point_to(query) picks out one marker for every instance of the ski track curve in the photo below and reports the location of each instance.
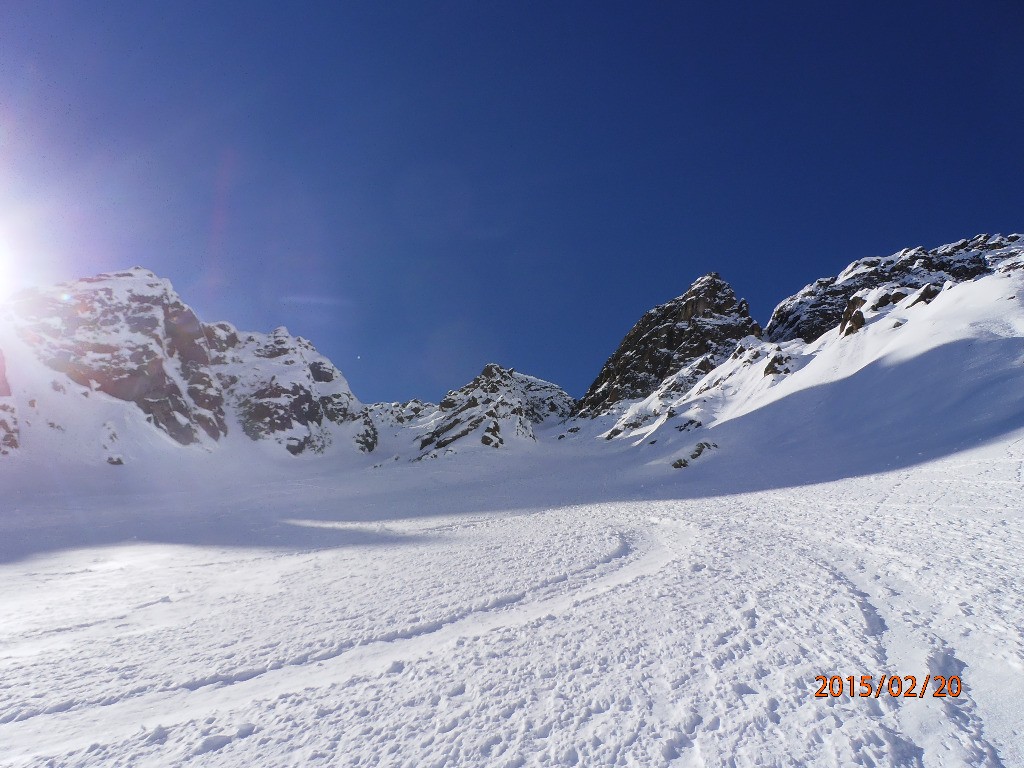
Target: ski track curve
(69, 726)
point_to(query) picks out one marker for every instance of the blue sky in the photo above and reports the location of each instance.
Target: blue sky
(422, 188)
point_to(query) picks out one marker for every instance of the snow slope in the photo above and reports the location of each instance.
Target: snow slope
(485, 619)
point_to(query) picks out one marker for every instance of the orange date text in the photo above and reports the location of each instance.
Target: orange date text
(895, 686)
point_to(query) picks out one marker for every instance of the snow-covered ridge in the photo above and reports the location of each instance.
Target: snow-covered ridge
(127, 342)
(820, 306)
(498, 407)
(884, 303)
(115, 366)
(129, 336)
(281, 387)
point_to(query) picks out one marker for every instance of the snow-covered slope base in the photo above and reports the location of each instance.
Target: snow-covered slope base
(484, 620)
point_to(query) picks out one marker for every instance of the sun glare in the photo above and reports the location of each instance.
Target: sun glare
(5, 283)
(13, 276)
(6, 268)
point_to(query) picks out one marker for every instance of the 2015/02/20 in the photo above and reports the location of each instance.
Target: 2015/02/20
(836, 686)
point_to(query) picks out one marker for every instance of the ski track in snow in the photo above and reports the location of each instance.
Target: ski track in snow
(648, 633)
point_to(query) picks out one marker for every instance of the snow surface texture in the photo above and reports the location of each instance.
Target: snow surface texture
(477, 617)
(666, 597)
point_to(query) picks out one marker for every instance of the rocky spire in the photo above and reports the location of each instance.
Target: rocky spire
(702, 326)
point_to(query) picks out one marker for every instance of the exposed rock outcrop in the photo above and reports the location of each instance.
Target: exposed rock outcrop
(281, 387)
(129, 335)
(821, 306)
(682, 339)
(498, 406)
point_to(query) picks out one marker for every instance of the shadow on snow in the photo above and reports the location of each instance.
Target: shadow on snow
(887, 416)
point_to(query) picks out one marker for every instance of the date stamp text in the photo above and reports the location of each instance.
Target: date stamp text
(895, 686)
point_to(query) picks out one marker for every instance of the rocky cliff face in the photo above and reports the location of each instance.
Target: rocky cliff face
(682, 339)
(829, 301)
(280, 386)
(498, 406)
(129, 335)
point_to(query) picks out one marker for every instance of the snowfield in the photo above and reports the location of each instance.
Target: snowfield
(328, 621)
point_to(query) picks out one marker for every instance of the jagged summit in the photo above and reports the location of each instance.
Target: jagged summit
(498, 406)
(128, 334)
(698, 329)
(820, 306)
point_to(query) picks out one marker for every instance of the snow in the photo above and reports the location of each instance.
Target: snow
(490, 620)
(575, 601)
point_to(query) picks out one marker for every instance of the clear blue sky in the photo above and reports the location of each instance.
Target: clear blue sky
(421, 188)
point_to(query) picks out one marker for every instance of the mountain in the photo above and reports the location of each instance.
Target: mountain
(281, 388)
(129, 336)
(682, 339)
(116, 367)
(497, 407)
(885, 303)
(127, 340)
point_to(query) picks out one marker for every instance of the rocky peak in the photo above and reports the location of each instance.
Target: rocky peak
(129, 335)
(281, 387)
(497, 406)
(695, 331)
(499, 403)
(821, 306)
